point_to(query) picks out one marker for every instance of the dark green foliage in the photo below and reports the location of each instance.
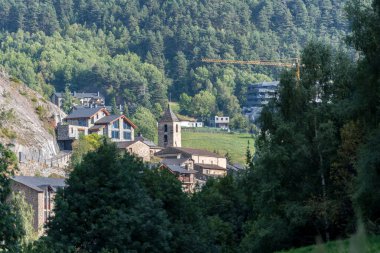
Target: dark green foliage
(146, 122)
(296, 196)
(105, 207)
(67, 100)
(11, 229)
(87, 41)
(365, 20)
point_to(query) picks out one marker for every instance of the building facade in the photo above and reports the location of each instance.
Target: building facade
(81, 98)
(206, 163)
(220, 122)
(39, 192)
(169, 130)
(189, 124)
(258, 95)
(96, 120)
(137, 148)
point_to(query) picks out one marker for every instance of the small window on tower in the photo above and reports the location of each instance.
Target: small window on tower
(176, 128)
(165, 138)
(165, 128)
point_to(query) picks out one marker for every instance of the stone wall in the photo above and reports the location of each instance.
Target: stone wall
(140, 149)
(173, 133)
(35, 199)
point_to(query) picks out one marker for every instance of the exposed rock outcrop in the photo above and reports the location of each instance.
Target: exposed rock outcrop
(27, 122)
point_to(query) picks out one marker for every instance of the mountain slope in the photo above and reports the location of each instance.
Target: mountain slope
(27, 125)
(80, 43)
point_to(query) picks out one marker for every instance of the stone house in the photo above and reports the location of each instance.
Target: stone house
(96, 120)
(208, 164)
(137, 148)
(153, 147)
(183, 169)
(83, 98)
(39, 193)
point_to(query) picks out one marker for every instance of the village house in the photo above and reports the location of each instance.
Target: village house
(152, 146)
(183, 169)
(96, 120)
(206, 163)
(39, 192)
(83, 99)
(137, 148)
(189, 123)
(220, 122)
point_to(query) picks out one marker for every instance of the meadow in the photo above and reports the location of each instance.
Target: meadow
(220, 142)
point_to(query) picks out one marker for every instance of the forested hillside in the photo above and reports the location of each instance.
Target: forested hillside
(108, 45)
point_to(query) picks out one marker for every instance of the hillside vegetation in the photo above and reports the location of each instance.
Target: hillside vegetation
(234, 144)
(139, 51)
(356, 244)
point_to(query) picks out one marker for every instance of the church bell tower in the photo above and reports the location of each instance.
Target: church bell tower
(169, 130)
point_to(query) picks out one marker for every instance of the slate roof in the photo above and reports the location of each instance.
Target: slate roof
(210, 166)
(38, 183)
(146, 141)
(174, 161)
(96, 128)
(83, 112)
(188, 151)
(107, 119)
(110, 118)
(126, 144)
(169, 116)
(179, 169)
(81, 94)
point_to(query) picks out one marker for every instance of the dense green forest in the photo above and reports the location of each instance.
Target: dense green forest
(315, 172)
(143, 52)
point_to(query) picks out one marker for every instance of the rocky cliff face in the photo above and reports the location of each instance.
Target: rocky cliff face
(27, 122)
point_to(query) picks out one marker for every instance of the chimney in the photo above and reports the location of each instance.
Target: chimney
(75, 93)
(98, 94)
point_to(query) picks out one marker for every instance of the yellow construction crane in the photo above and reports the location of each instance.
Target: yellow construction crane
(288, 63)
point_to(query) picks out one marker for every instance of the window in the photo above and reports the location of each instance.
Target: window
(176, 128)
(115, 124)
(115, 135)
(92, 120)
(165, 138)
(82, 122)
(47, 206)
(127, 135)
(126, 125)
(165, 128)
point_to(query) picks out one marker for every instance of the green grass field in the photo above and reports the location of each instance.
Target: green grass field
(233, 143)
(356, 244)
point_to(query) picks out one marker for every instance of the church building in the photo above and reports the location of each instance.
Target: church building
(206, 164)
(169, 130)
